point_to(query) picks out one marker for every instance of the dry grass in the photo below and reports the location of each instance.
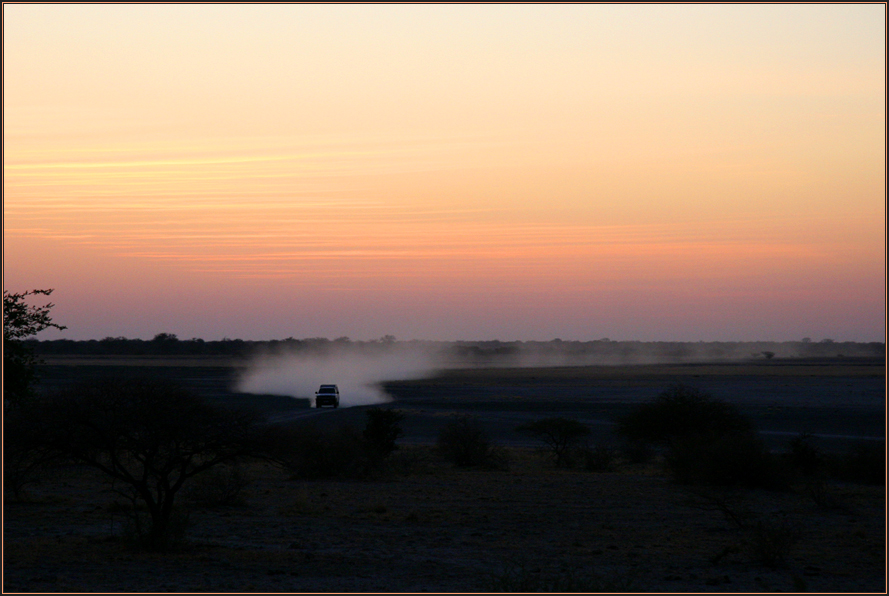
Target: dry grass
(429, 526)
(432, 527)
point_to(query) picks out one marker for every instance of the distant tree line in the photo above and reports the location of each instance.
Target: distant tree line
(168, 344)
(556, 351)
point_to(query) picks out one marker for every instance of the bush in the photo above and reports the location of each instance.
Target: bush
(140, 533)
(465, 443)
(807, 465)
(638, 452)
(219, 487)
(681, 411)
(768, 538)
(382, 430)
(805, 457)
(28, 458)
(735, 459)
(522, 576)
(310, 453)
(865, 463)
(708, 441)
(771, 542)
(599, 458)
(561, 435)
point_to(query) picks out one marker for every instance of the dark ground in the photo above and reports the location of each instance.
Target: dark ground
(837, 401)
(433, 527)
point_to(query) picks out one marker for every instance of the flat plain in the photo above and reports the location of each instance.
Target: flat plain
(524, 526)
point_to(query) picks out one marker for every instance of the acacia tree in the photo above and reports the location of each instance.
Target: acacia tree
(149, 437)
(20, 321)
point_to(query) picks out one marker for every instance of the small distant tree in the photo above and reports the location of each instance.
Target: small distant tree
(149, 437)
(20, 321)
(561, 435)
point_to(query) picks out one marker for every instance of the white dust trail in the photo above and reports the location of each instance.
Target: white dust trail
(357, 373)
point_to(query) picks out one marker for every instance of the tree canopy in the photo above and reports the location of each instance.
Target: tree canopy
(149, 437)
(20, 321)
(682, 411)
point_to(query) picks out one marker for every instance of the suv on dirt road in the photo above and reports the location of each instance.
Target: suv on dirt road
(328, 395)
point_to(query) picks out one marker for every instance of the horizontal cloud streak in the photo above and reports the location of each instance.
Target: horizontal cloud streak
(511, 170)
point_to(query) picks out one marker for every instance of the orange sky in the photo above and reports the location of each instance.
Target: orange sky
(653, 172)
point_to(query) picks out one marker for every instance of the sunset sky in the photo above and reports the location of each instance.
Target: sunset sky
(670, 172)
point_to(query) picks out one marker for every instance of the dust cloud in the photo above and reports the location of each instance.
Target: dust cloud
(359, 368)
(358, 373)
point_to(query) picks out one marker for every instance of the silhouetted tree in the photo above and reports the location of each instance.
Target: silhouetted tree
(150, 437)
(20, 321)
(561, 435)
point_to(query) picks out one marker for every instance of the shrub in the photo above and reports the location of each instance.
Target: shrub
(771, 542)
(638, 452)
(382, 430)
(681, 411)
(767, 538)
(28, 458)
(708, 441)
(734, 459)
(561, 436)
(805, 457)
(522, 576)
(864, 463)
(139, 530)
(415, 459)
(808, 465)
(219, 487)
(465, 443)
(311, 453)
(599, 458)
